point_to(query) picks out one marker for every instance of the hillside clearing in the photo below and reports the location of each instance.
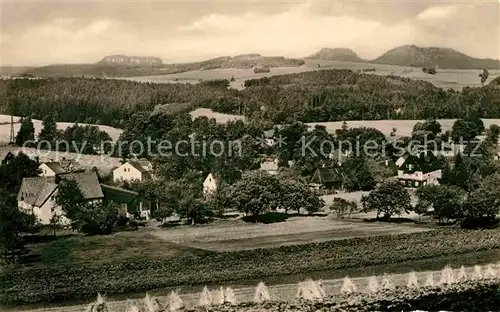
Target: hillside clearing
(114, 133)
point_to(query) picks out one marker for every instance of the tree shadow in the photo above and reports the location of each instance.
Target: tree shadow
(39, 238)
(390, 220)
(270, 217)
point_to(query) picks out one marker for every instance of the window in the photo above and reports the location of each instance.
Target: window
(410, 167)
(416, 183)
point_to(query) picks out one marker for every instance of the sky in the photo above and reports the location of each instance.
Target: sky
(41, 32)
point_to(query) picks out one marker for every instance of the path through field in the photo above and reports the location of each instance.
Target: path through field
(277, 292)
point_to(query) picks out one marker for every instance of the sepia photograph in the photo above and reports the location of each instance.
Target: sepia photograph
(249, 155)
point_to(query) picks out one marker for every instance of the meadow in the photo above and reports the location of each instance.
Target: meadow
(235, 235)
(445, 78)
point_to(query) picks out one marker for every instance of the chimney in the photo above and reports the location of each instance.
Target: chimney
(387, 163)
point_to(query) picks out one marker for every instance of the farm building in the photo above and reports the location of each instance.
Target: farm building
(130, 202)
(332, 178)
(37, 195)
(133, 170)
(422, 168)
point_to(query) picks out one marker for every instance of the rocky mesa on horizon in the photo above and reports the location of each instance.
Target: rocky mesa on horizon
(412, 55)
(336, 54)
(121, 59)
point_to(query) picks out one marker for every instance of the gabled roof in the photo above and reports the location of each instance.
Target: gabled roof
(424, 161)
(36, 191)
(140, 165)
(213, 176)
(87, 182)
(118, 194)
(67, 164)
(327, 175)
(55, 167)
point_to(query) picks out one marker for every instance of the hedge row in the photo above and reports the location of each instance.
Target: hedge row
(68, 282)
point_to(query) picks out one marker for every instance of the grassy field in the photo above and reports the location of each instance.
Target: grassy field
(233, 235)
(114, 133)
(445, 78)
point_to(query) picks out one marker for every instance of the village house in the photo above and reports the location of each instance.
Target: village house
(133, 170)
(210, 185)
(37, 195)
(330, 178)
(418, 169)
(131, 204)
(270, 166)
(50, 169)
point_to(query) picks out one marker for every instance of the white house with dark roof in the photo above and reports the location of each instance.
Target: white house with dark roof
(37, 195)
(50, 169)
(138, 170)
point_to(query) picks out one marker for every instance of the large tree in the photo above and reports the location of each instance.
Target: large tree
(484, 201)
(91, 217)
(388, 199)
(13, 223)
(26, 134)
(442, 201)
(256, 193)
(49, 132)
(14, 170)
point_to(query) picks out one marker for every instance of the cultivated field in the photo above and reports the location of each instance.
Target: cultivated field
(445, 78)
(236, 235)
(114, 133)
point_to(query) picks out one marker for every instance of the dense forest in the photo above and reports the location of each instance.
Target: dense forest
(325, 95)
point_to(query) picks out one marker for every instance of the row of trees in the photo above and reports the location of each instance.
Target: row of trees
(444, 202)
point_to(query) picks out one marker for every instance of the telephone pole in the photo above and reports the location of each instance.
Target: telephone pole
(12, 138)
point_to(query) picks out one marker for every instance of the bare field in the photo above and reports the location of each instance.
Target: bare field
(239, 235)
(114, 133)
(445, 78)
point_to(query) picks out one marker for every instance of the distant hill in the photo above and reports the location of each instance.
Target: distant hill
(13, 70)
(337, 54)
(121, 59)
(412, 55)
(124, 66)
